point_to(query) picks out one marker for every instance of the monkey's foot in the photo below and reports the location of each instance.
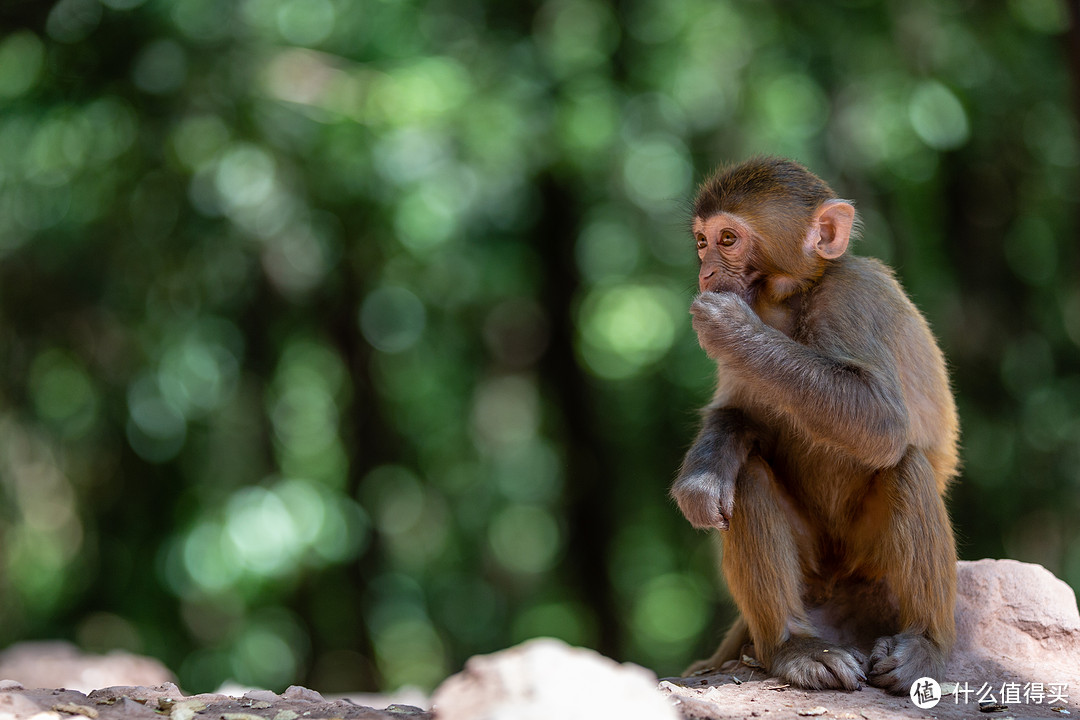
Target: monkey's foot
(898, 661)
(818, 665)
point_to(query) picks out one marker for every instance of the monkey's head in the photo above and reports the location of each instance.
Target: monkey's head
(767, 225)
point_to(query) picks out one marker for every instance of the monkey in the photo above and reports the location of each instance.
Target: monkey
(826, 451)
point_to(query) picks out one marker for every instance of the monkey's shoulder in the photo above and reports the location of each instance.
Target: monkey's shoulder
(855, 284)
(857, 275)
(861, 297)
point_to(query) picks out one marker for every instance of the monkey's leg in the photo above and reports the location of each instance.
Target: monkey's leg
(765, 576)
(913, 549)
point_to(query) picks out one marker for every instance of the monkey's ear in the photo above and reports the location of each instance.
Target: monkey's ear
(830, 230)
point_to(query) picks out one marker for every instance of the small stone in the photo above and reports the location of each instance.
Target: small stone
(75, 709)
(182, 709)
(298, 692)
(991, 707)
(286, 715)
(812, 712)
(264, 695)
(182, 713)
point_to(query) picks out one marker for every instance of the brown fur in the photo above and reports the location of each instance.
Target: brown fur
(829, 444)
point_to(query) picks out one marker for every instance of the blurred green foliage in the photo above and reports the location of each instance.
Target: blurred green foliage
(343, 339)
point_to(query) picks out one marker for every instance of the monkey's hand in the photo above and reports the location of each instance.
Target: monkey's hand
(722, 320)
(705, 498)
(705, 486)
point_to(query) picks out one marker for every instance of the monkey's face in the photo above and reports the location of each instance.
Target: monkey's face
(725, 250)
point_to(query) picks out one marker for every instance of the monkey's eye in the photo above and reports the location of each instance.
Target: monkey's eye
(728, 238)
(701, 242)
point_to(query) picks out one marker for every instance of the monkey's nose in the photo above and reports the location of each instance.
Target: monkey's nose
(703, 280)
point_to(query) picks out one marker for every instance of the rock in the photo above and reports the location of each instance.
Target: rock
(1015, 621)
(1017, 629)
(543, 679)
(61, 664)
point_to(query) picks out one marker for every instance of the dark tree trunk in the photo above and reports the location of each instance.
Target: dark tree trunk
(588, 483)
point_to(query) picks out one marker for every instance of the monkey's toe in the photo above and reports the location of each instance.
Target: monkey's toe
(898, 661)
(815, 664)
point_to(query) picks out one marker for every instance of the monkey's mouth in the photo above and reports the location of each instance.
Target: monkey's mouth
(747, 287)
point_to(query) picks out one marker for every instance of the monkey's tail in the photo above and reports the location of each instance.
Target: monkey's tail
(732, 644)
(730, 649)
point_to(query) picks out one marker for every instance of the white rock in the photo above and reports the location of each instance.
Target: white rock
(544, 679)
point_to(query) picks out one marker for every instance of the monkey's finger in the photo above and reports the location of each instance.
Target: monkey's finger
(882, 659)
(845, 669)
(723, 507)
(727, 505)
(705, 305)
(858, 668)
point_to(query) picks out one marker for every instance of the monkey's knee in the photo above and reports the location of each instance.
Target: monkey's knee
(762, 508)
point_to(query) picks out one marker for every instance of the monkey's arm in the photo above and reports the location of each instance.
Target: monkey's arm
(705, 486)
(851, 401)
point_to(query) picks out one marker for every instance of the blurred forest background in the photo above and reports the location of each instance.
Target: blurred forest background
(343, 339)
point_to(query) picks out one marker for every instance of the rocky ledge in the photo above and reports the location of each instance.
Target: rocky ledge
(1017, 656)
